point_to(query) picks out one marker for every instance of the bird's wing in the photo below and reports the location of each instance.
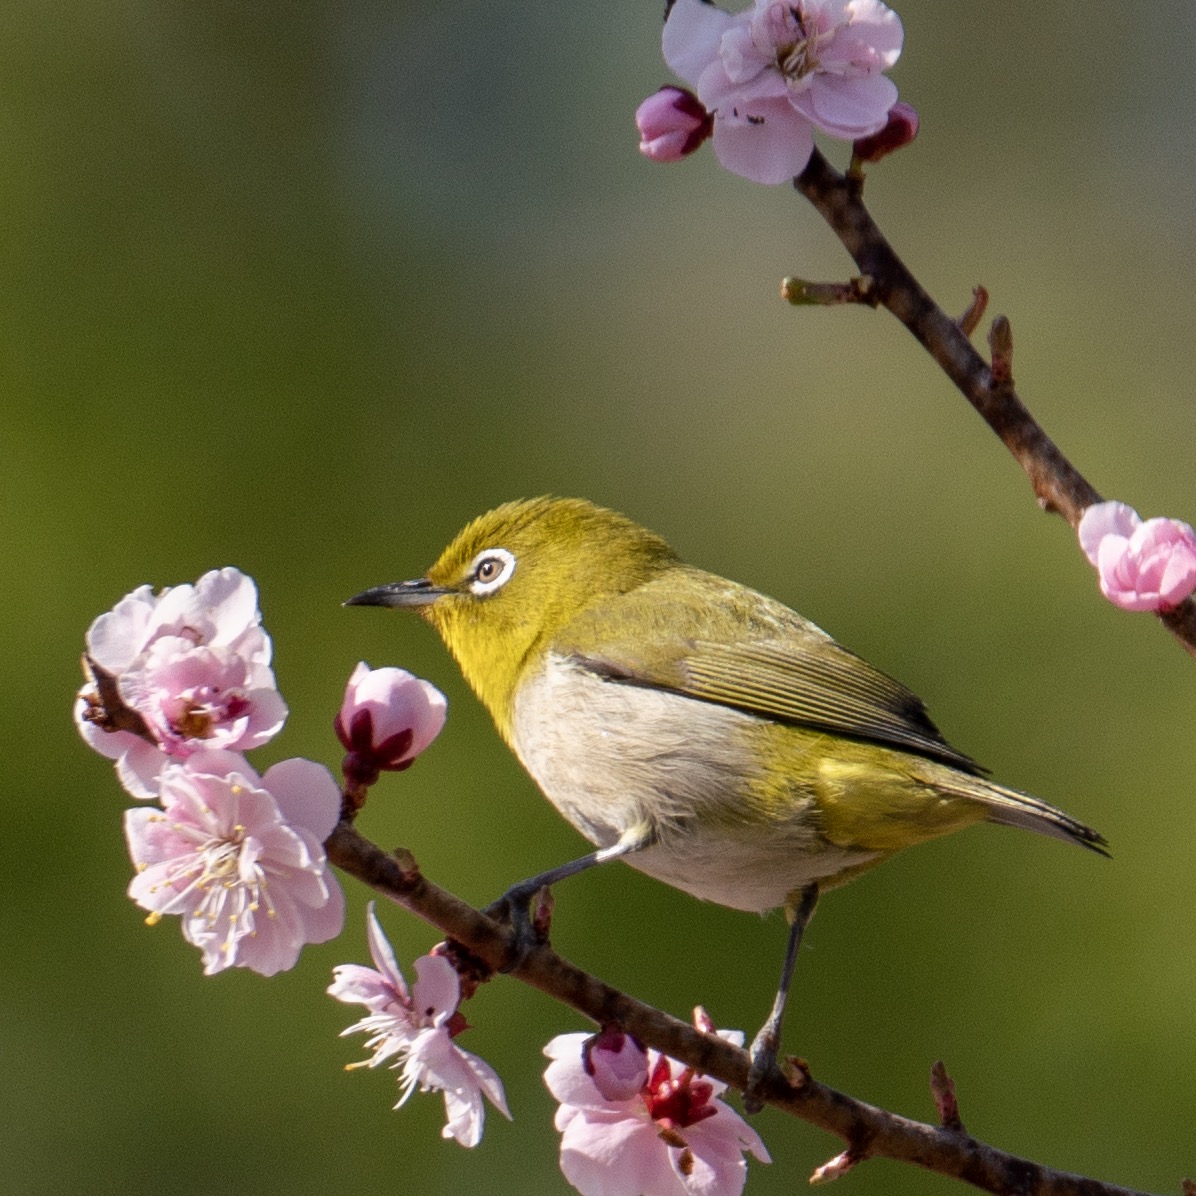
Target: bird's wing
(785, 669)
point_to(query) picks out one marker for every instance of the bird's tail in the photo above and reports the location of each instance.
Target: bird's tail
(1011, 807)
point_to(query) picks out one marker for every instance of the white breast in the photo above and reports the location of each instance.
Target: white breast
(611, 756)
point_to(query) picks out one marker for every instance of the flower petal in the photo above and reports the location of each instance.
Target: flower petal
(872, 39)
(115, 638)
(383, 955)
(691, 37)
(1179, 577)
(1105, 519)
(610, 1156)
(437, 988)
(773, 151)
(306, 794)
(140, 768)
(357, 985)
(848, 108)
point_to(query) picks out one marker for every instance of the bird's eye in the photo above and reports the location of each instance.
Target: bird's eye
(491, 569)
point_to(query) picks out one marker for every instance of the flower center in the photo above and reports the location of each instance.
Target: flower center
(198, 713)
(220, 860)
(795, 39)
(676, 1103)
(193, 721)
(214, 883)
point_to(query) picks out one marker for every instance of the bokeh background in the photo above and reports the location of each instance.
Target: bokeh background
(302, 287)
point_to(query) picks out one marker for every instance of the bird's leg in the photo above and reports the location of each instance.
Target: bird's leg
(514, 905)
(768, 1041)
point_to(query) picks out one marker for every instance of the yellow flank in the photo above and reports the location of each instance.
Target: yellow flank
(866, 797)
(865, 805)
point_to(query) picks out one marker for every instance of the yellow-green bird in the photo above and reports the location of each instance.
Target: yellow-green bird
(704, 732)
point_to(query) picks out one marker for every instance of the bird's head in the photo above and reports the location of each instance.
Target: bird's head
(514, 577)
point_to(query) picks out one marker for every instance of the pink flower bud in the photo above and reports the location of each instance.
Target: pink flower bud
(672, 124)
(616, 1062)
(387, 718)
(901, 129)
(1142, 566)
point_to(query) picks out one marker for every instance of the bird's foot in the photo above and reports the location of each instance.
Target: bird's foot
(799, 909)
(764, 1061)
(527, 909)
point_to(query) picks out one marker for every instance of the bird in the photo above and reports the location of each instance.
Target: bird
(704, 733)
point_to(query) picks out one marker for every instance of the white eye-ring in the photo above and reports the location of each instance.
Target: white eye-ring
(491, 570)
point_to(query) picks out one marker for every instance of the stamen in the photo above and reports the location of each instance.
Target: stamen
(797, 57)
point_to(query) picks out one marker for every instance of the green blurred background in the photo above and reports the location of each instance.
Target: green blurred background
(303, 287)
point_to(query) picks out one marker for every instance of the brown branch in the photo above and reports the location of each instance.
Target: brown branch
(106, 708)
(868, 1132)
(1058, 485)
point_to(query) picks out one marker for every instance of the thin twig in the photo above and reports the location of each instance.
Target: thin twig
(1058, 485)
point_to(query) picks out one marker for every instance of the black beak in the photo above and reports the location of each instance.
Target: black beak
(420, 592)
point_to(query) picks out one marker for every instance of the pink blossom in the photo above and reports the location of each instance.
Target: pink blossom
(1147, 565)
(240, 858)
(194, 663)
(415, 1027)
(782, 68)
(672, 1137)
(672, 124)
(387, 718)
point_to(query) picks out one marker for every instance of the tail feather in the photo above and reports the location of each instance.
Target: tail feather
(1010, 807)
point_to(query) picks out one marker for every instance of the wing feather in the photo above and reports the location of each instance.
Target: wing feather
(786, 669)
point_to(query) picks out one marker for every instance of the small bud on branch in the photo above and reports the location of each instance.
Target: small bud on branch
(838, 1167)
(942, 1088)
(974, 313)
(802, 293)
(899, 131)
(1000, 343)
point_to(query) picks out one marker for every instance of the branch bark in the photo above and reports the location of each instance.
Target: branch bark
(1057, 484)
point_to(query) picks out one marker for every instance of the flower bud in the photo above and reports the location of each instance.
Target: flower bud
(1147, 565)
(616, 1063)
(387, 718)
(672, 124)
(901, 129)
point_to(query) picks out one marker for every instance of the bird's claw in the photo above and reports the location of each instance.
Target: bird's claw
(764, 1061)
(527, 931)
